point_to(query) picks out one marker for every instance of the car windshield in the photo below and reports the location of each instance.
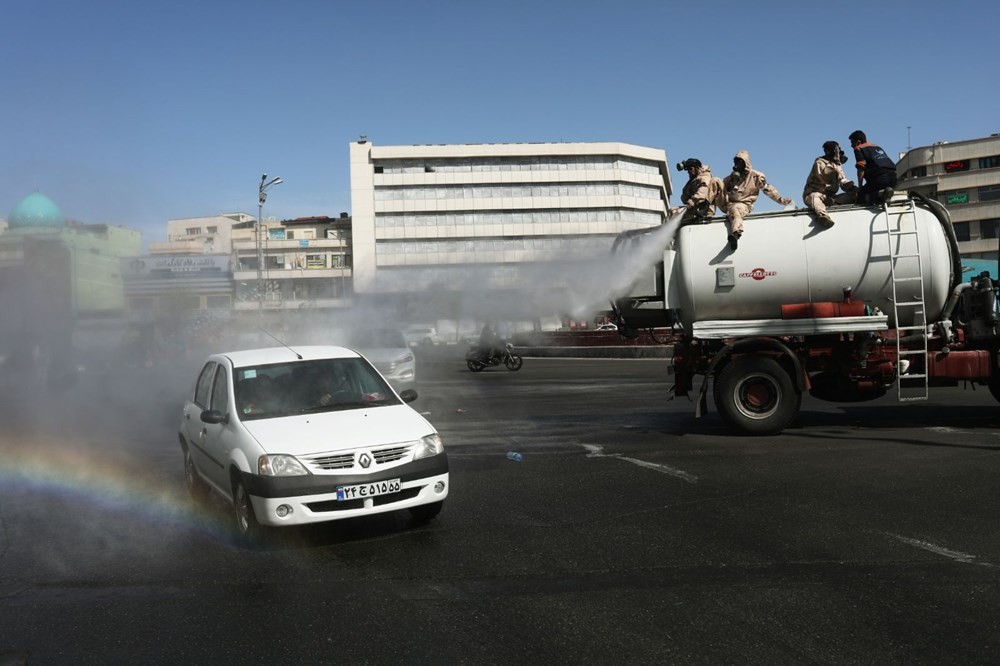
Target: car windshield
(299, 387)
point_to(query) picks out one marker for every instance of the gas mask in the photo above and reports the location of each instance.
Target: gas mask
(739, 168)
(832, 152)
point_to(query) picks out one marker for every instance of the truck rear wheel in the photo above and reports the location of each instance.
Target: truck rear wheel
(756, 395)
(995, 388)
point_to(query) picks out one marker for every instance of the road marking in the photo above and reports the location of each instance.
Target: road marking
(595, 451)
(965, 558)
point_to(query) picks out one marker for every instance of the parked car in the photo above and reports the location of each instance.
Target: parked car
(306, 435)
(607, 327)
(421, 335)
(388, 351)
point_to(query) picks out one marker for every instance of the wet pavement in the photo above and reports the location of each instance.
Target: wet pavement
(630, 532)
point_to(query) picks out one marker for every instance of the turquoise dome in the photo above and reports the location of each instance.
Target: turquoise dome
(36, 210)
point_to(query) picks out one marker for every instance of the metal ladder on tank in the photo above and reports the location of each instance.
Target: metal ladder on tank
(914, 390)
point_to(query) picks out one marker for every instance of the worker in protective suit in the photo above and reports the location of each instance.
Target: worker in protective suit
(740, 190)
(699, 193)
(825, 179)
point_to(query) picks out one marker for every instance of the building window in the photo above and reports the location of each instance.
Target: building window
(309, 234)
(917, 172)
(378, 169)
(217, 301)
(989, 162)
(192, 231)
(213, 230)
(315, 261)
(955, 166)
(962, 231)
(951, 197)
(989, 193)
(988, 228)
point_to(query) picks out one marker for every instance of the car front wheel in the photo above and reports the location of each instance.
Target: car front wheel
(247, 527)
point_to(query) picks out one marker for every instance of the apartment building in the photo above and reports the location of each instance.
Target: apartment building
(424, 215)
(293, 264)
(965, 177)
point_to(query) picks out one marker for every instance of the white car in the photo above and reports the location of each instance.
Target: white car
(388, 351)
(607, 327)
(306, 435)
(421, 335)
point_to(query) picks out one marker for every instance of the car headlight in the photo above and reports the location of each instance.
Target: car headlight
(431, 445)
(280, 465)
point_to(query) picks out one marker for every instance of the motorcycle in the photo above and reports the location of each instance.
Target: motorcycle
(477, 360)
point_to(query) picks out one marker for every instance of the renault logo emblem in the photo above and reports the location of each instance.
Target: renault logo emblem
(364, 460)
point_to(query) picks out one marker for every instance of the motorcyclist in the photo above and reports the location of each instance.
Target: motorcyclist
(489, 341)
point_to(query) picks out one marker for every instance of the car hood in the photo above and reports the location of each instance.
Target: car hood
(384, 354)
(335, 431)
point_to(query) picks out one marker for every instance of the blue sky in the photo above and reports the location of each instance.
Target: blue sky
(134, 113)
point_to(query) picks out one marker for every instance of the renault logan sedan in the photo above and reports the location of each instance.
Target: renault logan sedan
(313, 434)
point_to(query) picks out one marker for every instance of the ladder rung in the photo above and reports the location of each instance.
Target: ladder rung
(910, 352)
(917, 397)
(908, 304)
(908, 279)
(902, 233)
(913, 376)
(909, 328)
(904, 256)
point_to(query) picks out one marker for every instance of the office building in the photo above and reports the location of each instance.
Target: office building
(429, 217)
(965, 177)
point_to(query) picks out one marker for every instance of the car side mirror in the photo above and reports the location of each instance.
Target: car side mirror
(214, 416)
(409, 395)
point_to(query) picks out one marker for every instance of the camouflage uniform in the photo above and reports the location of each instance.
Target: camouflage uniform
(740, 193)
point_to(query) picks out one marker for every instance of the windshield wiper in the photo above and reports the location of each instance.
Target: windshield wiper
(334, 406)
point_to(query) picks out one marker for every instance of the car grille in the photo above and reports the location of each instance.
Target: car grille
(383, 456)
(347, 460)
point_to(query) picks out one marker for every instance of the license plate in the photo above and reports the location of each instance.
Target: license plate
(363, 490)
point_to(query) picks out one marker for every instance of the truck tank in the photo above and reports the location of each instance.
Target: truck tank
(789, 257)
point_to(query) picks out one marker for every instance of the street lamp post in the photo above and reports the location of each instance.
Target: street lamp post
(261, 198)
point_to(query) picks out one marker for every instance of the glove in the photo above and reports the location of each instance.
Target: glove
(784, 201)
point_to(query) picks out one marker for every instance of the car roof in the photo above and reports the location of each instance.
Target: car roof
(268, 355)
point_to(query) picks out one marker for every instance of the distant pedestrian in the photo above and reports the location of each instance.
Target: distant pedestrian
(876, 170)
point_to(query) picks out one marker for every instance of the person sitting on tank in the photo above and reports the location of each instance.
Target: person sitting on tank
(699, 193)
(825, 180)
(739, 192)
(876, 170)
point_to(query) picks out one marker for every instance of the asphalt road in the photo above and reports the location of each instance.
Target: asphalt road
(630, 533)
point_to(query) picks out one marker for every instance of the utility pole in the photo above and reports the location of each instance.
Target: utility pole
(261, 230)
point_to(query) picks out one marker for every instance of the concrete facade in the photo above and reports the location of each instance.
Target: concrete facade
(965, 177)
(422, 213)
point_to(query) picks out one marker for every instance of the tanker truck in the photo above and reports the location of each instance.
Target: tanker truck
(843, 312)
